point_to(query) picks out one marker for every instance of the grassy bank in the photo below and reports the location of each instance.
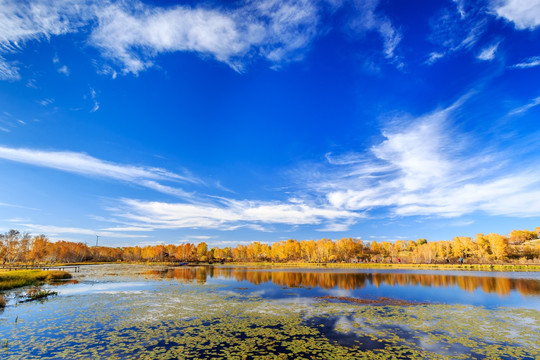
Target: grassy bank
(477, 267)
(19, 278)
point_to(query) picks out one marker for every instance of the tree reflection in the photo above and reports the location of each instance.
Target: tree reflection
(351, 281)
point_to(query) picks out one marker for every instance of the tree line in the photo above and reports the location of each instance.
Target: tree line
(17, 247)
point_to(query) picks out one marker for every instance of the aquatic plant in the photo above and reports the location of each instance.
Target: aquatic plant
(37, 293)
(207, 321)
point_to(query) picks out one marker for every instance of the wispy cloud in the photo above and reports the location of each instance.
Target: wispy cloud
(455, 29)
(228, 214)
(55, 231)
(45, 102)
(23, 21)
(132, 34)
(93, 95)
(275, 30)
(8, 71)
(368, 19)
(488, 53)
(522, 109)
(528, 63)
(420, 169)
(83, 164)
(523, 14)
(64, 70)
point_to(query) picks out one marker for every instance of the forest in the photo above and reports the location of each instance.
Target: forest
(520, 246)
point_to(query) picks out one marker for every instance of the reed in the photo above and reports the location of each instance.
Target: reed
(19, 278)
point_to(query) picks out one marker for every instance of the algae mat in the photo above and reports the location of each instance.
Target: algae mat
(171, 321)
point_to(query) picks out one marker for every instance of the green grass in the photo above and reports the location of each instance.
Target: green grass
(19, 278)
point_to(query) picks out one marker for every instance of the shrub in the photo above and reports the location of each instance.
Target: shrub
(58, 275)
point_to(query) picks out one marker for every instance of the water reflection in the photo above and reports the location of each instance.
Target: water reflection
(351, 281)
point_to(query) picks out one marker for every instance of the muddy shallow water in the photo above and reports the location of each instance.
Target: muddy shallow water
(135, 311)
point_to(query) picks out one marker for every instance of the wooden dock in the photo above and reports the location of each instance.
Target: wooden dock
(73, 268)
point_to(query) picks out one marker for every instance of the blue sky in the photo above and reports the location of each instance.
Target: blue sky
(229, 122)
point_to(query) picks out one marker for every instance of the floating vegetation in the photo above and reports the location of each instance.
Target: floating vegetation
(380, 301)
(3, 301)
(37, 294)
(183, 321)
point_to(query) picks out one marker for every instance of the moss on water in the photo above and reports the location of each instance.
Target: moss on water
(193, 321)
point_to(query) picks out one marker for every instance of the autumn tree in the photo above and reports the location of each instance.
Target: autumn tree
(202, 249)
(520, 236)
(38, 250)
(498, 245)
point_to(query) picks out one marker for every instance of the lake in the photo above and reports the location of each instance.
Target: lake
(227, 312)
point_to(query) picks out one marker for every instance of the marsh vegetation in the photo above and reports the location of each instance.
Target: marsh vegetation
(133, 311)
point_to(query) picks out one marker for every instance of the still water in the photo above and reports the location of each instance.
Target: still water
(134, 311)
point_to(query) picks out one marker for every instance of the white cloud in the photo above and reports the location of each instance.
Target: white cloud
(8, 71)
(488, 53)
(455, 30)
(524, 14)
(82, 164)
(45, 102)
(520, 110)
(433, 57)
(96, 104)
(227, 215)
(54, 231)
(424, 167)
(64, 70)
(21, 21)
(528, 63)
(345, 159)
(275, 30)
(224, 214)
(367, 19)
(132, 34)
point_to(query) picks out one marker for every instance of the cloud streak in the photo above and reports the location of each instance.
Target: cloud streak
(367, 19)
(522, 109)
(231, 214)
(453, 31)
(83, 164)
(55, 231)
(488, 53)
(529, 63)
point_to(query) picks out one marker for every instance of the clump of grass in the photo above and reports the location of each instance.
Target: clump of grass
(37, 293)
(58, 275)
(3, 301)
(19, 278)
(14, 279)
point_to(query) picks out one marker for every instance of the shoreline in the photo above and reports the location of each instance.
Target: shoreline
(300, 265)
(464, 267)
